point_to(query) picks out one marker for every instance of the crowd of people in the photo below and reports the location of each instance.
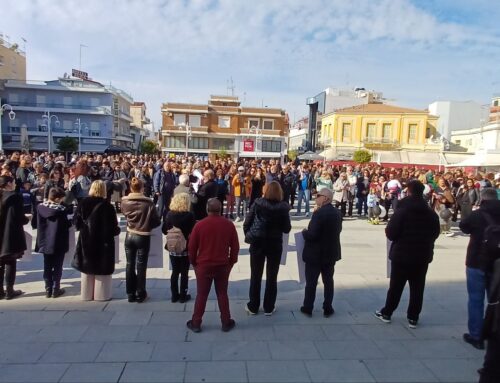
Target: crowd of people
(194, 202)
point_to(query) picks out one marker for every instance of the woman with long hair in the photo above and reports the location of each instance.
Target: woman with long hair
(142, 218)
(12, 238)
(95, 219)
(180, 217)
(264, 227)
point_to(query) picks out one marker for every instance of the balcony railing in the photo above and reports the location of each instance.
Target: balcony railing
(180, 129)
(51, 105)
(265, 132)
(380, 143)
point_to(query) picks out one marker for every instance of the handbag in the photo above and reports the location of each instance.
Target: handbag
(257, 230)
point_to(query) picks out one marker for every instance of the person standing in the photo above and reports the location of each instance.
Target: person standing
(180, 217)
(411, 252)
(305, 182)
(206, 191)
(52, 240)
(475, 225)
(467, 198)
(12, 238)
(213, 251)
(341, 194)
(164, 183)
(266, 223)
(142, 218)
(95, 219)
(287, 182)
(321, 251)
(352, 178)
(242, 186)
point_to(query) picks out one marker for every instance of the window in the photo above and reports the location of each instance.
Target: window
(95, 134)
(13, 98)
(412, 134)
(253, 122)
(224, 122)
(41, 99)
(179, 119)
(271, 146)
(94, 126)
(371, 131)
(194, 120)
(458, 142)
(386, 132)
(175, 142)
(222, 143)
(198, 143)
(495, 103)
(94, 101)
(67, 100)
(68, 126)
(269, 124)
(346, 131)
(428, 133)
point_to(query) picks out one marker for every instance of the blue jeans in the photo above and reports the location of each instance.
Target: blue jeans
(476, 289)
(306, 196)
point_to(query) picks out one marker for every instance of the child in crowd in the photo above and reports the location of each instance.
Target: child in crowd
(373, 208)
(53, 240)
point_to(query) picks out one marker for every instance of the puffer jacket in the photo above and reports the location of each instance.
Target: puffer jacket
(142, 216)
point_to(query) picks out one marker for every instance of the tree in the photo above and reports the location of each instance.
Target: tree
(149, 147)
(67, 144)
(362, 156)
(292, 154)
(222, 153)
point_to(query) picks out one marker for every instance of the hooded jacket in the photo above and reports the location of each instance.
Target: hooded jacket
(53, 228)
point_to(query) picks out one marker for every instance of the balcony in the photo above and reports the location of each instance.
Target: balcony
(264, 132)
(380, 143)
(169, 129)
(61, 108)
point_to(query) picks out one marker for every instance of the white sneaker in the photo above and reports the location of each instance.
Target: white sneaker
(249, 312)
(450, 234)
(238, 219)
(270, 313)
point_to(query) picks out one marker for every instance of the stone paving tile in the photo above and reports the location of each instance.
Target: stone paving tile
(152, 372)
(293, 350)
(339, 332)
(169, 318)
(442, 348)
(240, 350)
(182, 351)
(31, 318)
(277, 371)
(162, 333)
(216, 372)
(21, 352)
(60, 333)
(18, 334)
(40, 373)
(400, 371)
(388, 332)
(348, 349)
(131, 318)
(297, 332)
(71, 352)
(102, 333)
(126, 352)
(343, 371)
(86, 318)
(454, 370)
(93, 373)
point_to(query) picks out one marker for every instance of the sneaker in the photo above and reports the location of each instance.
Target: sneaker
(238, 219)
(476, 343)
(377, 221)
(184, 299)
(328, 312)
(132, 298)
(48, 293)
(269, 313)
(58, 292)
(412, 323)
(249, 312)
(142, 298)
(228, 326)
(193, 328)
(306, 312)
(382, 317)
(449, 234)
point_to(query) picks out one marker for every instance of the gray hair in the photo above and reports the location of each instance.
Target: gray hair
(184, 179)
(489, 194)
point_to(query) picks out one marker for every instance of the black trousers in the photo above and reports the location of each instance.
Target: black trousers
(137, 252)
(490, 373)
(292, 197)
(52, 270)
(313, 272)
(180, 266)
(163, 204)
(342, 205)
(258, 256)
(387, 204)
(8, 269)
(350, 204)
(415, 276)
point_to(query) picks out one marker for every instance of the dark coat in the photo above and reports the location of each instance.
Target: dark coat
(205, 192)
(322, 236)
(12, 220)
(413, 229)
(475, 224)
(276, 218)
(491, 327)
(95, 249)
(53, 229)
(183, 220)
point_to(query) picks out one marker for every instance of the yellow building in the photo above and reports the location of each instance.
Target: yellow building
(12, 61)
(379, 127)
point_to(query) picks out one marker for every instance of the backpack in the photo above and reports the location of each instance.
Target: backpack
(490, 247)
(175, 241)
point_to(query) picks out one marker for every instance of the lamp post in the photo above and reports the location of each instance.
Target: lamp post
(78, 123)
(12, 115)
(258, 135)
(48, 117)
(189, 133)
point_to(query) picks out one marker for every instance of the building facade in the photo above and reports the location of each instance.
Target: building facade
(378, 127)
(97, 116)
(12, 61)
(224, 127)
(141, 127)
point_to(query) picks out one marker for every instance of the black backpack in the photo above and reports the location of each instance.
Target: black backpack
(490, 247)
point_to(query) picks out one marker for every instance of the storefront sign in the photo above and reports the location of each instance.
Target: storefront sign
(248, 145)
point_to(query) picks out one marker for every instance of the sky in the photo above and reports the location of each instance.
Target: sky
(276, 52)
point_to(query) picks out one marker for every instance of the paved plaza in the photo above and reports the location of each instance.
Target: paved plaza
(67, 340)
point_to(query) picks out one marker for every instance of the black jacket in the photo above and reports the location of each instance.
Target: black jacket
(95, 248)
(53, 229)
(287, 182)
(12, 220)
(474, 225)
(413, 229)
(322, 236)
(183, 220)
(276, 218)
(205, 192)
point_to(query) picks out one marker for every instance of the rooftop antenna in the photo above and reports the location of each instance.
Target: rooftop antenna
(24, 44)
(230, 86)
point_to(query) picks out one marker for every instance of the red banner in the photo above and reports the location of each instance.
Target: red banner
(248, 145)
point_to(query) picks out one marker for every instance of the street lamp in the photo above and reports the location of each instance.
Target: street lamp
(79, 125)
(258, 135)
(48, 118)
(12, 115)
(189, 133)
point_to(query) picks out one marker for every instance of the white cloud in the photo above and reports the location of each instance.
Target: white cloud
(281, 51)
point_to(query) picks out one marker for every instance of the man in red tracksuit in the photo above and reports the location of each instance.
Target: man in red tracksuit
(213, 250)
